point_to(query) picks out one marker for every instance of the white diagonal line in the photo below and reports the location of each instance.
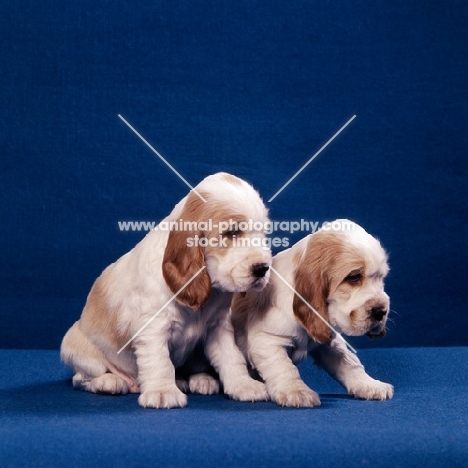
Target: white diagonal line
(312, 158)
(160, 157)
(161, 309)
(313, 310)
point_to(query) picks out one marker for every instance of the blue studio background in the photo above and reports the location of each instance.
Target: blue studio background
(254, 88)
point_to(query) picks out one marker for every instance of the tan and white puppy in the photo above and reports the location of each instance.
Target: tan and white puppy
(137, 289)
(341, 275)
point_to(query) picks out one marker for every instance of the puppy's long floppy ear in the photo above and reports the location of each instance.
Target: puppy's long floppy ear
(312, 283)
(183, 261)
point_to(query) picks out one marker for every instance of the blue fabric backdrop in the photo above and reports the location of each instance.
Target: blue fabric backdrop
(44, 423)
(250, 87)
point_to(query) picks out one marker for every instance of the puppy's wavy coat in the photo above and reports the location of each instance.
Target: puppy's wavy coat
(341, 275)
(132, 290)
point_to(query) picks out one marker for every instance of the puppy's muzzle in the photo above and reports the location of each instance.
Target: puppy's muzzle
(378, 313)
(259, 270)
(378, 330)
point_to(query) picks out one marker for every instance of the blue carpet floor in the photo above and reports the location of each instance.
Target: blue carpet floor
(44, 422)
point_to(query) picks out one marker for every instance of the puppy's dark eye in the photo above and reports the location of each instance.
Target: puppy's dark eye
(354, 278)
(233, 232)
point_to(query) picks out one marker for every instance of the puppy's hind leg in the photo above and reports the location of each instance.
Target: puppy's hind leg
(203, 384)
(92, 372)
(107, 383)
(198, 375)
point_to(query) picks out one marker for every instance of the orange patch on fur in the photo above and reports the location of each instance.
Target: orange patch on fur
(327, 261)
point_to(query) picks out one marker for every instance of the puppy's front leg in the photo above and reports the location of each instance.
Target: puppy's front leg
(345, 367)
(268, 355)
(227, 359)
(156, 373)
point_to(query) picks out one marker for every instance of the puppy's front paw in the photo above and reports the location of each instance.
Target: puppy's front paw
(371, 390)
(247, 390)
(203, 384)
(295, 394)
(172, 398)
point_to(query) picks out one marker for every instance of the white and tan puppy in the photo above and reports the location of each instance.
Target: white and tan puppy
(340, 273)
(202, 265)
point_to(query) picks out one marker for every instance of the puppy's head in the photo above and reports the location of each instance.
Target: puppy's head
(341, 274)
(223, 233)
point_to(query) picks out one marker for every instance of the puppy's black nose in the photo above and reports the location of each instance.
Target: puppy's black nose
(378, 313)
(259, 269)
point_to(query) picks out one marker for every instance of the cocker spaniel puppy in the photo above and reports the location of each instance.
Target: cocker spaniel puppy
(341, 275)
(197, 261)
